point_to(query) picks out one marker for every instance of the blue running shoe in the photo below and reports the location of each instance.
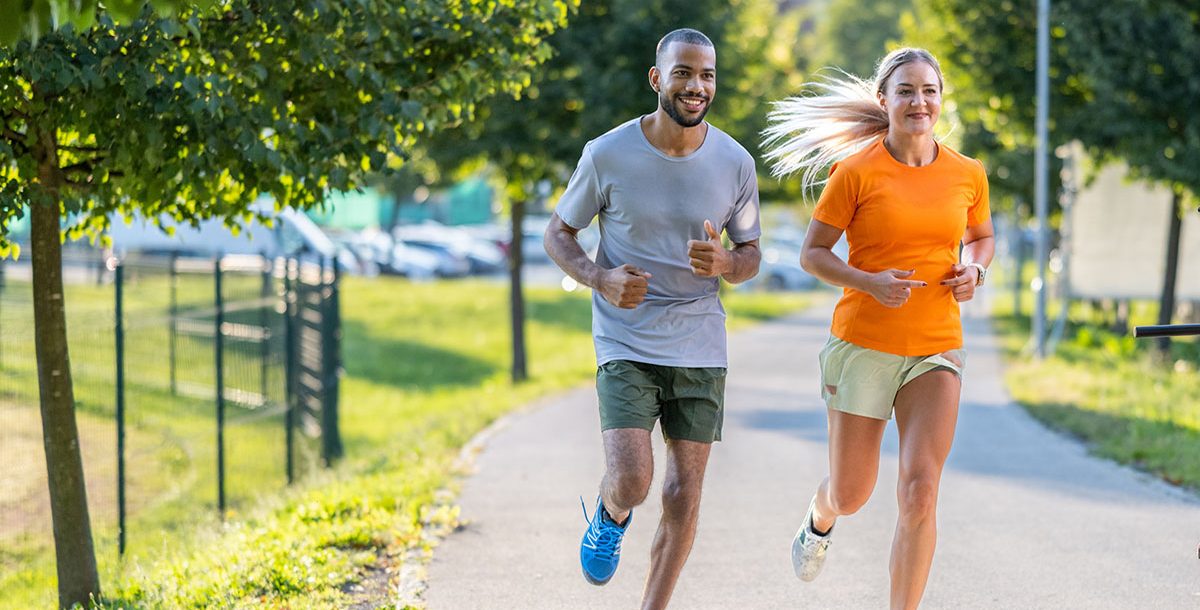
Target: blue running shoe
(600, 550)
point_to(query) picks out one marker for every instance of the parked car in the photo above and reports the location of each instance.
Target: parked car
(780, 268)
(414, 263)
(292, 234)
(450, 263)
(482, 255)
(355, 254)
(397, 258)
(533, 236)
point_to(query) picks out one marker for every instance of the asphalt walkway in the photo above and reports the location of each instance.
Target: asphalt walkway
(1027, 518)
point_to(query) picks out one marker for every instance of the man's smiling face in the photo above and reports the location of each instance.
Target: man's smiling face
(686, 80)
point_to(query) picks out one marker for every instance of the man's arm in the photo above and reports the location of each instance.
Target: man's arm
(746, 258)
(624, 286)
(709, 258)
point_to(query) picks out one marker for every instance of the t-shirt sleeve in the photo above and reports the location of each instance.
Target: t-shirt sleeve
(980, 210)
(743, 225)
(583, 198)
(839, 200)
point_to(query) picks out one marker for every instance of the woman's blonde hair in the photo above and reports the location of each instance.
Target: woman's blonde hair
(837, 116)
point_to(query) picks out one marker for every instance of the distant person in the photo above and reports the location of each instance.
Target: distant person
(906, 203)
(664, 185)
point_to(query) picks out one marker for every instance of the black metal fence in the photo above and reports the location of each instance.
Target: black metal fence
(200, 384)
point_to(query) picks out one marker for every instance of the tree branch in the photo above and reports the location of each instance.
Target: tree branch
(88, 183)
(10, 112)
(80, 149)
(19, 141)
(85, 167)
(14, 135)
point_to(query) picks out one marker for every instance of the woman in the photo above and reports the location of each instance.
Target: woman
(906, 202)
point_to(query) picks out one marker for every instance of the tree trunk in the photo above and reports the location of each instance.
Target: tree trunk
(1166, 304)
(515, 262)
(78, 580)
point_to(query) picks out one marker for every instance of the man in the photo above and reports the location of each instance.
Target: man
(664, 186)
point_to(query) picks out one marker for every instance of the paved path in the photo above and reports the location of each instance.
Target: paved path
(1027, 519)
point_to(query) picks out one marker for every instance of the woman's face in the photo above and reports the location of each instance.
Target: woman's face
(912, 97)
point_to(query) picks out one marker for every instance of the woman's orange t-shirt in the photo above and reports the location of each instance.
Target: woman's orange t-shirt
(901, 217)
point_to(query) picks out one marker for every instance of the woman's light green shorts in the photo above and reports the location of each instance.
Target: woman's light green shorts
(863, 381)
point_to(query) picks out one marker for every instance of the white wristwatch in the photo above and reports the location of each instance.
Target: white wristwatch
(982, 272)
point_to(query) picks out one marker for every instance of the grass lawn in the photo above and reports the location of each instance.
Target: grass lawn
(426, 369)
(170, 438)
(1114, 392)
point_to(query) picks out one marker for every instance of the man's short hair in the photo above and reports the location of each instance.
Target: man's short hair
(683, 36)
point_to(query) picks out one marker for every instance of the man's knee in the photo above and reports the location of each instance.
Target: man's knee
(681, 498)
(631, 486)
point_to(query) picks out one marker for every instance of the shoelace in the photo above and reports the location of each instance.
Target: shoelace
(815, 544)
(606, 539)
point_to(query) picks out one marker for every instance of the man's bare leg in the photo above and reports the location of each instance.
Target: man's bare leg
(630, 469)
(686, 463)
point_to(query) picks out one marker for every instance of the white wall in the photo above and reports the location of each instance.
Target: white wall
(1119, 241)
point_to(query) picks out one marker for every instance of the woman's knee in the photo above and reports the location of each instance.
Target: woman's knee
(918, 496)
(848, 499)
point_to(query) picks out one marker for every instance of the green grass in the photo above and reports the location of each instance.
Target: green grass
(427, 367)
(1116, 393)
(171, 448)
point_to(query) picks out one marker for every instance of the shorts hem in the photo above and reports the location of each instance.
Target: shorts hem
(860, 413)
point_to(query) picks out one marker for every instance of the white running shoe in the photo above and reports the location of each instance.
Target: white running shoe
(808, 549)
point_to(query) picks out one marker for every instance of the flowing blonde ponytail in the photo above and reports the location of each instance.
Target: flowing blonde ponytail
(835, 118)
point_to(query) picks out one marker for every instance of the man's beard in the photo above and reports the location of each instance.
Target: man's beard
(668, 105)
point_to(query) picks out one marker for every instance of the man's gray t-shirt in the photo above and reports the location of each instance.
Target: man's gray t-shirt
(649, 205)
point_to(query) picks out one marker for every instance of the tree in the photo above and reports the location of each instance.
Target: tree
(193, 116)
(1141, 62)
(853, 35)
(1122, 79)
(598, 79)
(30, 19)
(987, 51)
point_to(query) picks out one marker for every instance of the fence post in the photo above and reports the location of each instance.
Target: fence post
(119, 341)
(331, 434)
(2, 263)
(173, 322)
(289, 367)
(264, 322)
(219, 349)
(326, 441)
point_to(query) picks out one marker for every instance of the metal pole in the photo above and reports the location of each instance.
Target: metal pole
(333, 328)
(1166, 330)
(1042, 245)
(119, 340)
(264, 322)
(219, 350)
(173, 317)
(289, 367)
(327, 431)
(1020, 251)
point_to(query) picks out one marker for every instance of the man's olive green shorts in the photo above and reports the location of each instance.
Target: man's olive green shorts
(863, 381)
(690, 402)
